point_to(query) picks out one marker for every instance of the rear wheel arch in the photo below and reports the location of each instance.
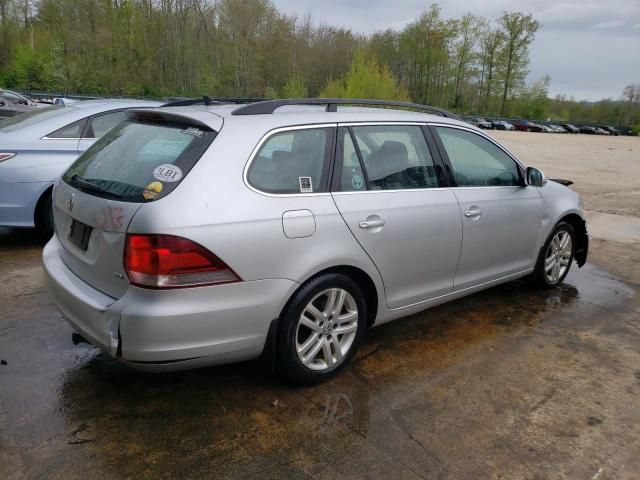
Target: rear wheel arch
(359, 276)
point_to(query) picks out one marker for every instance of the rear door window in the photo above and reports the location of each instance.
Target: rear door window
(294, 161)
(140, 160)
(395, 157)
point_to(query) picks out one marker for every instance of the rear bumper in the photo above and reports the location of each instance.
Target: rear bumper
(88, 311)
(164, 330)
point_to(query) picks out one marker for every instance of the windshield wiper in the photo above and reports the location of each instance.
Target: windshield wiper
(85, 184)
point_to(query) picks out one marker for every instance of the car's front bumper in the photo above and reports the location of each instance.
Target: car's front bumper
(162, 330)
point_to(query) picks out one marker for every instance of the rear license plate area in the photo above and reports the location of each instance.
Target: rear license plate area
(79, 234)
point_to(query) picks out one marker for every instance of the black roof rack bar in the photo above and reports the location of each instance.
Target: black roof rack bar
(239, 100)
(270, 106)
(184, 102)
(190, 101)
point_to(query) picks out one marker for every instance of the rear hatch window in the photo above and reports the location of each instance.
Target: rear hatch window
(142, 159)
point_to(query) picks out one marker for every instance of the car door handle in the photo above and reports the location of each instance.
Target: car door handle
(372, 224)
(472, 213)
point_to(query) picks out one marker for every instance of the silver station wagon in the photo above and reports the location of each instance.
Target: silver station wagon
(211, 233)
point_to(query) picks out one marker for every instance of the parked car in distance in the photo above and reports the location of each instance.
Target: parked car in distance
(611, 130)
(36, 147)
(557, 128)
(14, 97)
(8, 109)
(570, 128)
(588, 130)
(193, 236)
(536, 127)
(12, 103)
(602, 131)
(502, 125)
(481, 123)
(521, 125)
(63, 101)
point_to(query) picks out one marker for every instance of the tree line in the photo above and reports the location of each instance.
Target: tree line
(248, 48)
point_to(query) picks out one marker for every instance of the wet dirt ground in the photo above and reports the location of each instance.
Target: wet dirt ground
(508, 383)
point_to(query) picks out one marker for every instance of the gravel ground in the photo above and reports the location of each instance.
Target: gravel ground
(605, 170)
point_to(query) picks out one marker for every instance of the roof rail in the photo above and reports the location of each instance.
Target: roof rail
(184, 102)
(270, 106)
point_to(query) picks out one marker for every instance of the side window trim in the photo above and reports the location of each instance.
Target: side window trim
(442, 153)
(356, 147)
(444, 180)
(330, 158)
(338, 159)
(447, 162)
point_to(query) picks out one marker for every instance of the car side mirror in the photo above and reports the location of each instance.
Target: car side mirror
(535, 177)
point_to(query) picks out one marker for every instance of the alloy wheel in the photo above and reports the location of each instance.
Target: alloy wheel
(327, 329)
(558, 256)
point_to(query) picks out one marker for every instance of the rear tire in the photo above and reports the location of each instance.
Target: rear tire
(320, 329)
(556, 257)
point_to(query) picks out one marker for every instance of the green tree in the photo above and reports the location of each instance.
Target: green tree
(534, 99)
(519, 31)
(366, 78)
(294, 88)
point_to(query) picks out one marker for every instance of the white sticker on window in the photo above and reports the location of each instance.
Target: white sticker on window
(305, 185)
(194, 132)
(167, 173)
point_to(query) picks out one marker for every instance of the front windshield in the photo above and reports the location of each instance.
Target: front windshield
(28, 118)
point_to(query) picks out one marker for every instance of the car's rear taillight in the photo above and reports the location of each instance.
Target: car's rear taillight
(167, 261)
(6, 156)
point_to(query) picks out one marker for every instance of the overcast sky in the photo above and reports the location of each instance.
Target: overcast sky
(590, 48)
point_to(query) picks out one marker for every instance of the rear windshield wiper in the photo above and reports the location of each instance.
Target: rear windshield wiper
(86, 184)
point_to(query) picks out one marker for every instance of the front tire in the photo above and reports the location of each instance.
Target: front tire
(556, 257)
(321, 329)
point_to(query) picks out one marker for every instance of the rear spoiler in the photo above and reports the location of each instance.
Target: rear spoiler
(562, 181)
(160, 115)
